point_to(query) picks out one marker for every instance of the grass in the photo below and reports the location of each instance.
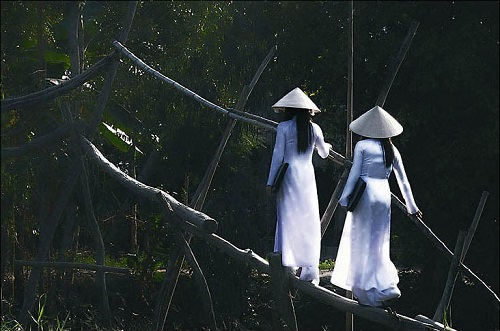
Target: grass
(326, 265)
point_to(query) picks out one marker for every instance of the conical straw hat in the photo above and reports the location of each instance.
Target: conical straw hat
(376, 123)
(296, 99)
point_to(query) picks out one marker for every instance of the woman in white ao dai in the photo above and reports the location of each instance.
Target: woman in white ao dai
(363, 263)
(298, 229)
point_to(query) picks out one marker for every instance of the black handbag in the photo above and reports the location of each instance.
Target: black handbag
(356, 194)
(279, 177)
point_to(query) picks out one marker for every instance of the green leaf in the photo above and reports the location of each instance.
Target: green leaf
(113, 138)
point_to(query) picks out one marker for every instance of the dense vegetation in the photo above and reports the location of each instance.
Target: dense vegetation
(445, 95)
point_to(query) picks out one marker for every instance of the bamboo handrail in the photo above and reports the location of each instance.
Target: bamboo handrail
(230, 113)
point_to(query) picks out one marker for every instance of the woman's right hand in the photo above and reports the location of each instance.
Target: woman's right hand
(418, 214)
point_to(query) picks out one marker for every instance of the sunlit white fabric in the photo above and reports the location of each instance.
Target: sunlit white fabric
(298, 231)
(363, 264)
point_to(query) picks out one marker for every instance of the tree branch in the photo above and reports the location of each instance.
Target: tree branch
(53, 92)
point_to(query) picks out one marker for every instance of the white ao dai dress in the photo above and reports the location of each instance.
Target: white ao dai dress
(363, 264)
(298, 229)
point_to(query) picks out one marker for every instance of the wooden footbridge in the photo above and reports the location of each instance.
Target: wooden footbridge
(189, 221)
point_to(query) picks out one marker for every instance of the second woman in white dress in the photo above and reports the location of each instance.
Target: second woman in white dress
(363, 263)
(298, 229)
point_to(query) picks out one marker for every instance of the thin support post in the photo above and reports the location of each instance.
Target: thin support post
(202, 281)
(475, 222)
(98, 242)
(281, 288)
(348, 144)
(450, 281)
(459, 253)
(334, 201)
(393, 70)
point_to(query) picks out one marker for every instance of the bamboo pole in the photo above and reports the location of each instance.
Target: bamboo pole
(98, 242)
(348, 144)
(349, 322)
(230, 113)
(451, 279)
(281, 288)
(393, 70)
(459, 256)
(201, 192)
(73, 265)
(475, 222)
(198, 273)
(110, 76)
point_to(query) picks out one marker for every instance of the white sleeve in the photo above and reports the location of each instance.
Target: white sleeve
(323, 147)
(278, 154)
(353, 175)
(404, 184)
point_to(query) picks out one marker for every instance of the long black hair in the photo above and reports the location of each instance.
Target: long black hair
(304, 127)
(388, 150)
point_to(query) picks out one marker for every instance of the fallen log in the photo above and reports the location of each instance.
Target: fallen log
(201, 220)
